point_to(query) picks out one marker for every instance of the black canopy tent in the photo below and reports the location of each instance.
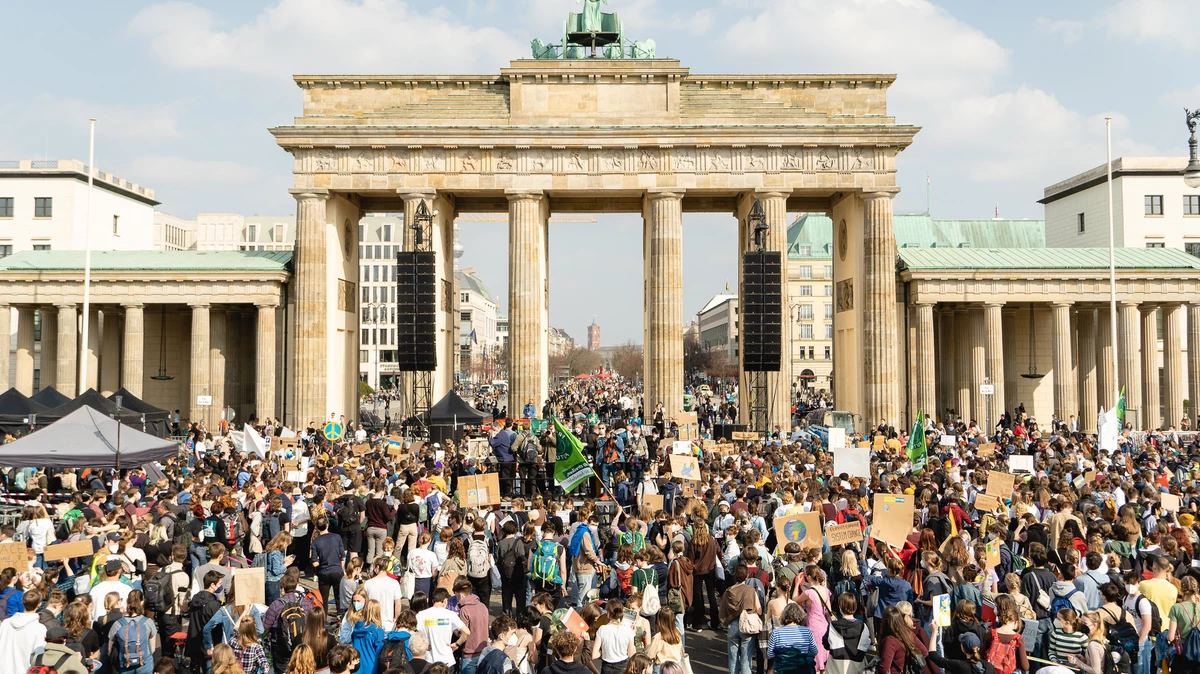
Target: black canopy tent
(86, 437)
(90, 398)
(15, 408)
(157, 421)
(50, 398)
(452, 412)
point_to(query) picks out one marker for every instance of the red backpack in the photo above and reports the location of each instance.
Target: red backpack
(1003, 656)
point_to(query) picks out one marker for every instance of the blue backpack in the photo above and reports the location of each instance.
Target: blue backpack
(577, 539)
(132, 643)
(1060, 603)
(1190, 650)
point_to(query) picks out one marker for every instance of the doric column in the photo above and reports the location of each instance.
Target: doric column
(1065, 399)
(1173, 386)
(1131, 360)
(199, 372)
(528, 326)
(774, 203)
(1106, 379)
(1193, 361)
(134, 341)
(264, 364)
(311, 288)
(49, 357)
(110, 359)
(993, 330)
(217, 343)
(881, 393)
(68, 353)
(962, 363)
(5, 334)
(23, 375)
(978, 336)
(662, 214)
(91, 350)
(926, 365)
(1151, 415)
(1085, 322)
(948, 396)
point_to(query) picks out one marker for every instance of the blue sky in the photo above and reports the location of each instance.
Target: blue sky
(1011, 97)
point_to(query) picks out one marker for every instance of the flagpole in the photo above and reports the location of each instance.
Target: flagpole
(1112, 269)
(87, 261)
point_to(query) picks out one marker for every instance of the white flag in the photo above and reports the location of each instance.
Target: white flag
(1109, 429)
(253, 442)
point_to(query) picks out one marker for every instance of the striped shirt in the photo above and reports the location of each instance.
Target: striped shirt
(790, 647)
(1064, 643)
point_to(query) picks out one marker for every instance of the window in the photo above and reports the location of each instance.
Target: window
(810, 353)
(366, 273)
(252, 232)
(806, 331)
(1154, 204)
(376, 272)
(1191, 205)
(366, 314)
(362, 252)
(828, 352)
(387, 252)
(366, 336)
(805, 271)
(828, 311)
(43, 207)
(387, 232)
(806, 291)
(41, 246)
(1155, 244)
(1079, 220)
(804, 251)
(392, 293)
(6, 207)
(802, 352)
(805, 313)
(828, 271)
(364, 356)
(362, 232)
(465, 316)
(366, 293)
(5, 249)
(1189, 248)
(374, 293)
(464, 297)
(277, 234)
(378, 252)
(829, 291)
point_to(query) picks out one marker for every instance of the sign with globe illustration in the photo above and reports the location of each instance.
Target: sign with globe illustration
(804, 528)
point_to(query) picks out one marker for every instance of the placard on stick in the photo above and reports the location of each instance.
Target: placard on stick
(360, 448)
(249, 585)
(15, 555)
(652, 501)
(804, 529)
(68, 550)
(479, 490)
(986, 449)
(289, 465)
(283, 444)
(892, 518)
(686, 467)
(1170, 502)
(1000, 484)
(844, 534)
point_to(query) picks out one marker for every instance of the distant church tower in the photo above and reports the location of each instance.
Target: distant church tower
(593, 335)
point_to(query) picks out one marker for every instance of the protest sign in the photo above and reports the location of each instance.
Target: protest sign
(941, 610)
(986, 449)
(574, 623)
(739, 436)
(804, 529)
(986, 503)
(947, 441)
(68, 550)
(1170, 502)
(16, 555)
(478, 448)
(284, 443)
(893, 518)
(844, 534)
(1020, 463)
(993, 554)
(1000, 484)
(360, 448)
(685, 467)
(837, 437)
(249, 585)
(652, 501)
(289, 465)
(479, 490)
(682, 447)
(877, 443)
(852, 461)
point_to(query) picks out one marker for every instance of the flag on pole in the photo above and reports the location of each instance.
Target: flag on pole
(1121, 408)
(916, 450)
(253, 442)
(474, 338)
(570, 466)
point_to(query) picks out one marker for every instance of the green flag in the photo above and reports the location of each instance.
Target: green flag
(1121, 409)
(916, 450)
(570, 466)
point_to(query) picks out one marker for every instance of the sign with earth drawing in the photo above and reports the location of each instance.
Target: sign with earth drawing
(804, 529)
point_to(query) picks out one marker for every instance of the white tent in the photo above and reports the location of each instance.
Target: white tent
(86, 438)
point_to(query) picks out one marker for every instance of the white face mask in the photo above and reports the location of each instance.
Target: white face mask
(1131, 589)
(512, 640)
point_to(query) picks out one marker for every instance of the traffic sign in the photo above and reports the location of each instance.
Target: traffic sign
(987, 389)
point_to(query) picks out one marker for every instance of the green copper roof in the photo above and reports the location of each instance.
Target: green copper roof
(149, 260)
(1132, 259)
(811, 235)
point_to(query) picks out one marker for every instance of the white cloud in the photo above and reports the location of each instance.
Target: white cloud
(322, 36)
(172, 170)
(1070, 31)
(1182, 98)
(1164, 23)
(700, 23)
(135, 123)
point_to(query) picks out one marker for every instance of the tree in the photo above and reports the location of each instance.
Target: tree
(582, 361)
(695, 357)
(627, 361)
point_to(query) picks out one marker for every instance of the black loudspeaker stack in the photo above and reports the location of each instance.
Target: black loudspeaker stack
(761, 311)
(416, 300)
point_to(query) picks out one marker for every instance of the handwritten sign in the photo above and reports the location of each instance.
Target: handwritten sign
(68, 550)
(986, 503)
(947, 441)
(893, 518)
(479, 490)
(249, 585)
(1170, 502)
(804, 529)
(1000, 484)
(877, 442)
(15, 555)
(686, 467)
(992, 559)
(360, 448)
(739, 436)
(289, 465)
(844, 534)
(284, 443)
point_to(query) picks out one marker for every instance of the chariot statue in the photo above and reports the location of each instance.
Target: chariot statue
(595, 34)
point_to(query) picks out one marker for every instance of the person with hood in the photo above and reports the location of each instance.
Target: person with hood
(22, 636)
(58, 655)
(368, 635)
(563, 645)
(474, 615)
(847, 639)
(964, 621)
(493, 659)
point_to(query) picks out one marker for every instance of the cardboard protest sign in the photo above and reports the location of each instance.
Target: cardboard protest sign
(1020, 463)
(686, 467)
(479, 490)
(686, 419)
(708, 443)
(478, 448)
(68, 550)
(892, 518)
(986, 449)
(1000, 484)
(877, 442)
(993, 554)
(1170, 502)
(682, 447)
(16, 555)
(360, 448)
(863, 445)
(986, 503)
(665, 443)
(249, 585)
(804, 529)
(284, 443)
(852, 461)
(652, 501)
(739, 436)
(844, 534)
(289, 465)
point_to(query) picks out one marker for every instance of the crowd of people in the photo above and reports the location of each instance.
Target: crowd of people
(319, 556)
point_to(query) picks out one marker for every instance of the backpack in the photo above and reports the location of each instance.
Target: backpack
(422, 511)
(545, 563)
(235, 531)
(159, 591)
(789, 572)
(1059, 603)
(848, 585)
(4, 602)
(914, 663)
(272, 525)
(1019, 563)
(510, 557)
(493, 663)
(260, 561)
(1122, 649)
(289, 628)
(940, 527)
(395, 653)
(674, 594)
(1003, 656)
(479, 562)
(347, 513)
(634, 539)
(40, 666)
(132, 643)
(1190, 646)
(577, 539)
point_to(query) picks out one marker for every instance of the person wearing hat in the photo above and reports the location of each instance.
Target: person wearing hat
(57, 655)
(111, 583)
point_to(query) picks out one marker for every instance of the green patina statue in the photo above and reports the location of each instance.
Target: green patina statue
(595, 33)
(592, 21)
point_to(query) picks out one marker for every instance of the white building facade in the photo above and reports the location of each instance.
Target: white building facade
(478, 334)
(717, 325)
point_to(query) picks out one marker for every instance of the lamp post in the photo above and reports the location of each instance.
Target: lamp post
(1191, 175)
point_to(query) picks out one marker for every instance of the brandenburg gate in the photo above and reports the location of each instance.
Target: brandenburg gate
(641, 135)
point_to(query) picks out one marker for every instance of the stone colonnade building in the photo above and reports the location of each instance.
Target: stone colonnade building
(168, 326)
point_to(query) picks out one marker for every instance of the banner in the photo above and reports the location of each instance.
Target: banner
(253, 442)
(917, 451)
(570, 467)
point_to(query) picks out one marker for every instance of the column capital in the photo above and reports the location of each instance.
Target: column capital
(132, 305)
(1148, 307)
(310, 193)
(881, 194)
(65, 305)
(1062, 304)
(524, 195)
(199, 305)
(267, 305)
(994, 303)
(925, 303)
(656, 193)
(416, 193)
(778, 192)
(1128, 303)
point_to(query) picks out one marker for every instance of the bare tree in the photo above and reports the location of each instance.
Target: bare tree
(627, 361)
(581, 361)
(696, 358)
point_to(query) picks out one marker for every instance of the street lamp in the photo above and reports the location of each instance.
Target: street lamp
(1191, 175)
